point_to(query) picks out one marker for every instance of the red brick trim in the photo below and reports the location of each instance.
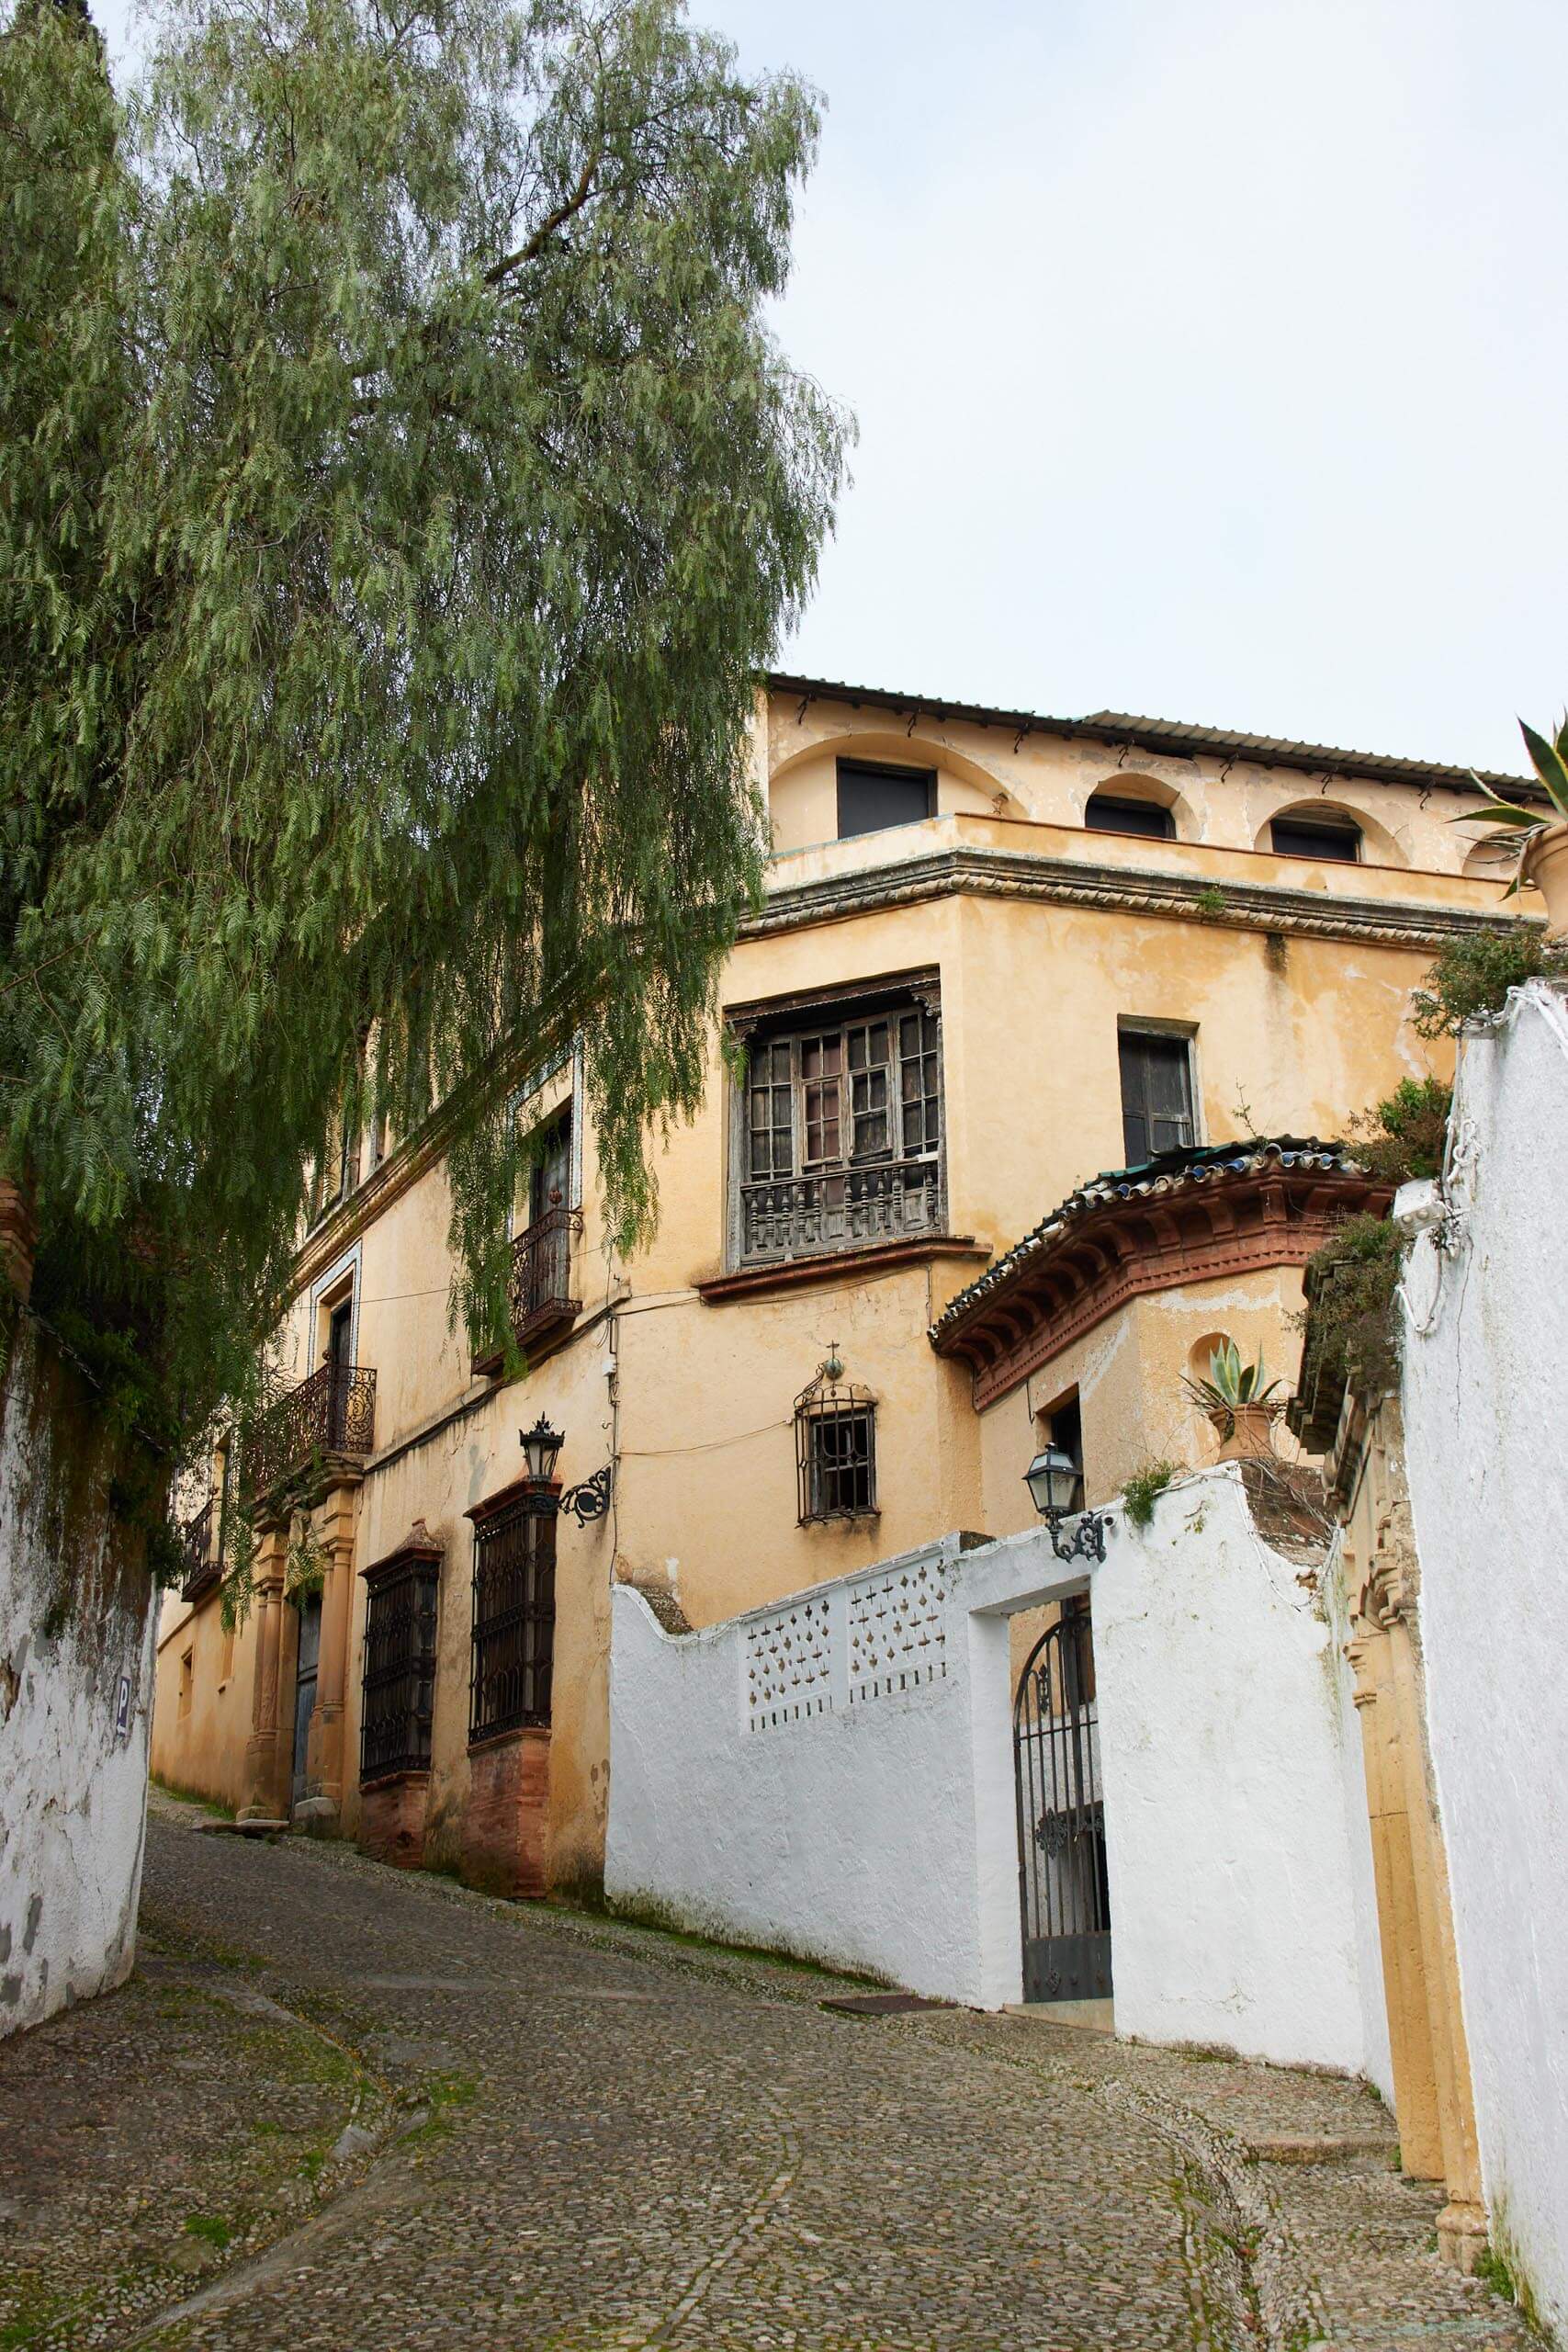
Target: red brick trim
(833, 1265)
(1131, 1249)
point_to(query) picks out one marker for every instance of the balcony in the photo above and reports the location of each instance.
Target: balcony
(334, 1412)
(803, 1217)
(203, 1566)
(539, 1295)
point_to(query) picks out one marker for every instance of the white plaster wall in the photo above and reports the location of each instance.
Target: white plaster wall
(881, 1834)
(1485, 1377)
(1232, 1912)
(75, 1706)
(845, 1833)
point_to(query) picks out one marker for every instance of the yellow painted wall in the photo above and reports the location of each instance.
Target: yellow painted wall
(693, 1400)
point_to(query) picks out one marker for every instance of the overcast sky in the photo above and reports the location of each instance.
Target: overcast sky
(1210, 357)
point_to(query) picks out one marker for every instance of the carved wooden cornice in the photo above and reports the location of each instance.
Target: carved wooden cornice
(1077, 882)
(1262, 1205)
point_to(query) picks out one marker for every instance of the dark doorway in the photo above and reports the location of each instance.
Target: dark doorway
(1064, 1892)
(305, 1685)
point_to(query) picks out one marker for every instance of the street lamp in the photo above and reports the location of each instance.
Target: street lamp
(1051, 1479)
(588, 1500)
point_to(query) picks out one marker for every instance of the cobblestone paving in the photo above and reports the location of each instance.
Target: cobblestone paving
(506, 2127)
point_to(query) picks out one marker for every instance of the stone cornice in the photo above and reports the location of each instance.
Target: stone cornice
(1076, 882)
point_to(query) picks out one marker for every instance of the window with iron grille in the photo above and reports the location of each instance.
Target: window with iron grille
(514, 1617)
(399, 1680)
(835, 1446)
(841, 1133)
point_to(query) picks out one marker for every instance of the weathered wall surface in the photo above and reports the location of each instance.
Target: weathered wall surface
(1233, 1881)
(1486, 1360)
(763, 1786)
(76, 1633)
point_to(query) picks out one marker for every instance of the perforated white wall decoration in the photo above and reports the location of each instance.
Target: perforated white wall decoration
(789, 1666)
(897, 1637)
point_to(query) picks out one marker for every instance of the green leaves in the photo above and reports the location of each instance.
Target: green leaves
(403, 492)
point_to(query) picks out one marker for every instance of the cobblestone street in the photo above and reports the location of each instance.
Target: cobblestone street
(343, 2107)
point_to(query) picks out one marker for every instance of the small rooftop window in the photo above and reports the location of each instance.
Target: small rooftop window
(1111, 812)
(872, 797)
(1320, 837)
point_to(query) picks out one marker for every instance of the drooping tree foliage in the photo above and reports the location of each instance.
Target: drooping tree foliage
(400, 492)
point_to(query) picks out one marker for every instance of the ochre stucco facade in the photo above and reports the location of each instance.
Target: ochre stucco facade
(1034, 941)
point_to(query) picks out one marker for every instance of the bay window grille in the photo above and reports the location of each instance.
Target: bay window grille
(842, 1140)
(514, 1617)
(835, 1447)
(399, 1680)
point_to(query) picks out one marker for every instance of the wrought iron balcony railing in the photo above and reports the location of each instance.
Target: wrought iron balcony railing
(202, 1568)
(799, 1216)
(540, 1292)
(332, 1412)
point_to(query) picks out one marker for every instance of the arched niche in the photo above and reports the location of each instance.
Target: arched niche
(1490, 861)
(1135, 792)
(803, 788)
(1375, 844)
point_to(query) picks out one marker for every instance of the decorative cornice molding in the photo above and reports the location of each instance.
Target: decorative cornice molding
(1117, 1241)
(1181, 897)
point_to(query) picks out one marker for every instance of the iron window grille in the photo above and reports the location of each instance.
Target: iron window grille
(399, 1678)
(514, 1616)
(841, 1138)
(835, 1452)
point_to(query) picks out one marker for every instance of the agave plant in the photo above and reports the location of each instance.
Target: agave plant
(1230, 1385)
(1513, 825)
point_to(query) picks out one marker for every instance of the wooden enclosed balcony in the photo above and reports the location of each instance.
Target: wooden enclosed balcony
(334, 1412)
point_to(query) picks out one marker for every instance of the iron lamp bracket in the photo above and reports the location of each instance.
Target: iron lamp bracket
(588, 1500)
(1086, 1541)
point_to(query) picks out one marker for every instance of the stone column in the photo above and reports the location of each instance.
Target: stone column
(268, 1754)
(1425, 2015)
(335, 1530)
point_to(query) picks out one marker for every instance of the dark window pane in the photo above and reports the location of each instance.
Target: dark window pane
(1156, 1095)
(872, 799)
(1107, 814)
(1295, 837)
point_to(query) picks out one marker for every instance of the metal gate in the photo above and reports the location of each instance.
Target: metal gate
(305, 1686)
(1063, 1892)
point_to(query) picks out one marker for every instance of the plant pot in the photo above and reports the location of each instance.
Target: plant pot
(1250, 1438)
(1545, 863)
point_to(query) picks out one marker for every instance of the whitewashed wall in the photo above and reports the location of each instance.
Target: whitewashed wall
(1232, 1873)
(773, 1781)
(1486, 1387)
(75, 1706)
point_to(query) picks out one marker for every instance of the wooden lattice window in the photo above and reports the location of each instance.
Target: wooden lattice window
(398, 1677)
(514, 1616)
(842, 1137)
(835, 1444)
(1156, 1094)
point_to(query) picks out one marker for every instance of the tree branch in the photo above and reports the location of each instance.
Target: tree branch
(555, 220)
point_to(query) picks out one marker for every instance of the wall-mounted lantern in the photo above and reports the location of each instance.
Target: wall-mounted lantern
(1051, 1479)
(588, 1500)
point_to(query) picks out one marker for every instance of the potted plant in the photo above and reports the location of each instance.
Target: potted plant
(1539, 838)
(1238, 1404)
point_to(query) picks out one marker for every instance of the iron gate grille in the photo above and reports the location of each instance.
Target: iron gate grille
(399, 1668)
(515, 1617)
(1064, 1894)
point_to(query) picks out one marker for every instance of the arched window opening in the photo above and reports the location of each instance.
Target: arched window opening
(873, 796)
(1328, 836)
(1116, 812)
